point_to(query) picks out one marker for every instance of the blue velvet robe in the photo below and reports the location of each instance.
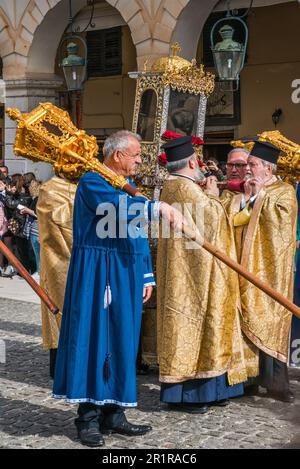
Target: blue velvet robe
(295, 330)
(200, 391)
(91, 331)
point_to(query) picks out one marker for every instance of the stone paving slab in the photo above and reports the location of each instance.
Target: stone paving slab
(16, 288)
(30, 418)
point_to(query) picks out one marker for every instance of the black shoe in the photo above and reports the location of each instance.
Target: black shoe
(284, 396)
(143, 369)
(189, 408)
(126, 428)
(222, 403)
(252, 390)
(91, 437)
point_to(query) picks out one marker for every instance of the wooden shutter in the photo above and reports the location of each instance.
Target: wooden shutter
(104, 52)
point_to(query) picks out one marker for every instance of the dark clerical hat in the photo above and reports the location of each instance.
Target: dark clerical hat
(266, 151)
(263, 150)
(178, 149)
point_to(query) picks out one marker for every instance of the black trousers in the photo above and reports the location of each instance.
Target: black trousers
(26, 254)
(53, 354)
(273, 374)
(92, 415)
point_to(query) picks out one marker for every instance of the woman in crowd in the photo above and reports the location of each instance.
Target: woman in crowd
(31, 224)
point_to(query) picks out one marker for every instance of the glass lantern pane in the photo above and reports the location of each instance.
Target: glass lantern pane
(228, 64)
(74, 76)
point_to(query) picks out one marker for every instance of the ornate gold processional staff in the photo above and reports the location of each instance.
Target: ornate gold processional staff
(47, 134)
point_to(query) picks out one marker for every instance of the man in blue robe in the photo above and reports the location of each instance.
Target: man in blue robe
(109, 279)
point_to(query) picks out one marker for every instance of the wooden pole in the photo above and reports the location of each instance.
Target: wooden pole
(26, 276)
(281, 299)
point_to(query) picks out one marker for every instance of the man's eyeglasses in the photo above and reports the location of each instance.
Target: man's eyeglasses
(137, 155)
(236, 165)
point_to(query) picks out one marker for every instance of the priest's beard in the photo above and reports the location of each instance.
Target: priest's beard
(198, 175)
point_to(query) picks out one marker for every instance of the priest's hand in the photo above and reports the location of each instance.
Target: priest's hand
(256, 184)
(211, 186)
(147, 292)
(202, 183)
(247, 190)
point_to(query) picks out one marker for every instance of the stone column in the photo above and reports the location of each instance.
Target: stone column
(25, 94)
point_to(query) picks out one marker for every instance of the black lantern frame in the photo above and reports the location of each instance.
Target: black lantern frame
(74, 72)
(230, 62)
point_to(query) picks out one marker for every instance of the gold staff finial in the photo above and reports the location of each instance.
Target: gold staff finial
(176, 48)
(14, 113)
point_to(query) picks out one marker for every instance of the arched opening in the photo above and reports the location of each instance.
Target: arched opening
(190, 24)
(46, 39)
(108, 95)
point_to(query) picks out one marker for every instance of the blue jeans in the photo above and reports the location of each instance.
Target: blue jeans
(36, 248)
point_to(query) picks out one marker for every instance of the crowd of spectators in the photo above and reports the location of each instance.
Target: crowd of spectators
(18, 221)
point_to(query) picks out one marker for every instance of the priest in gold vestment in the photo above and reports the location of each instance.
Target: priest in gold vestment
(55, 217)
(265, 230)
(199, 338)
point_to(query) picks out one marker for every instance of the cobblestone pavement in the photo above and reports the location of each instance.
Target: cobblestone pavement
(30, 418)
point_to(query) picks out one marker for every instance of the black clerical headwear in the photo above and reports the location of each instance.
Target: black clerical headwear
(178, 149)
(266, 151)
(263, 150)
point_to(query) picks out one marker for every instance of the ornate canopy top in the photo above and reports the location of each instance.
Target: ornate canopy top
(171, 63)
(183, 75)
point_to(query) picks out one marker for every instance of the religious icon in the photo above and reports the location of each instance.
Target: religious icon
(147, 115)
(183, 113)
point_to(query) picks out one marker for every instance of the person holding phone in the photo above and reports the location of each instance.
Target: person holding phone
(214, 169)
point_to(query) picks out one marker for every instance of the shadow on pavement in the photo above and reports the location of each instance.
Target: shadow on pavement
(21, 328)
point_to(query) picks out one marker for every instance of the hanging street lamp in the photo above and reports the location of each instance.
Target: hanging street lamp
(74, 67)
(229, 55)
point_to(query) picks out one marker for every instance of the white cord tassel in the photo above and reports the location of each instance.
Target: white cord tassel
(107, 297)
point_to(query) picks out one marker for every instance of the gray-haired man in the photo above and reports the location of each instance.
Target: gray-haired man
(110, 276)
